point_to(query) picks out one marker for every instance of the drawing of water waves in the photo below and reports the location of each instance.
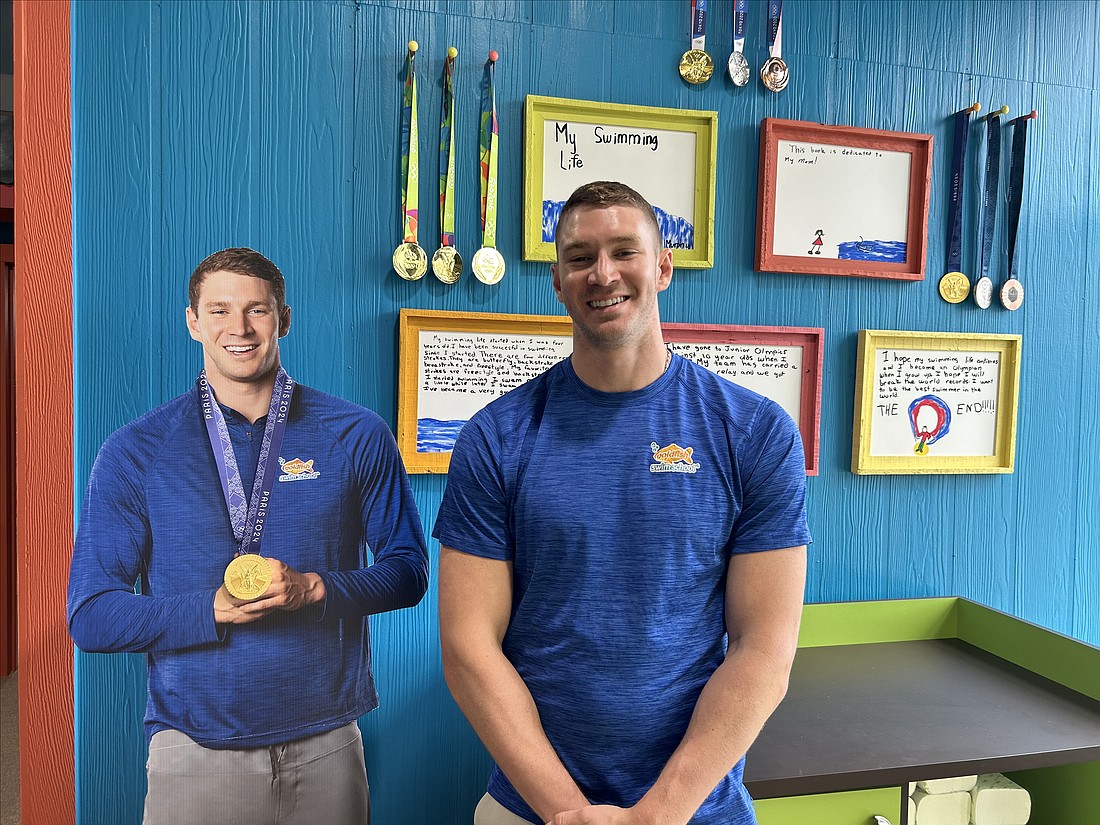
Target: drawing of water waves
(434, 436)
(679, 233)
(887, 252)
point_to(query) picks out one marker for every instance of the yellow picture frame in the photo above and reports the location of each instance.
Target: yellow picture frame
(911, 386)
(644, 147)
(412, 427)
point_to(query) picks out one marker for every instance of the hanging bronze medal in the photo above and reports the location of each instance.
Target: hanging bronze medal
(696, 66)
(446, 262)
(1012, 294)
(1012, 291)
(248, 577)
(737, 66)
(774, 73)
(410, 261)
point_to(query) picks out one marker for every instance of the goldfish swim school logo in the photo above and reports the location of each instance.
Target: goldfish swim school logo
(672, 459)
(297, 470)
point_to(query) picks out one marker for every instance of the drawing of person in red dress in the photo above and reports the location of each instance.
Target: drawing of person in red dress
(815, 247)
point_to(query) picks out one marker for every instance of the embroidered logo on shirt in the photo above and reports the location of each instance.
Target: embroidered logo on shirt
(672, 459)
(297, 470)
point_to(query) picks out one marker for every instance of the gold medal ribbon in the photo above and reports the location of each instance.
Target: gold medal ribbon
(489, 139)
(447, 155)
(410, 155)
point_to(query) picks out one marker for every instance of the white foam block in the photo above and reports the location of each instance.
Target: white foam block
(912, 820)
(941, 808)
(952, 784)
(997, 800)
(912, 787)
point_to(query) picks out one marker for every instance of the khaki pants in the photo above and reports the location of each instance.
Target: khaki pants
(491, 812)
(319, 779)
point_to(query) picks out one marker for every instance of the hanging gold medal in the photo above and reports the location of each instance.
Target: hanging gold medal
(696, 66)
(410, 261)
(446, 262)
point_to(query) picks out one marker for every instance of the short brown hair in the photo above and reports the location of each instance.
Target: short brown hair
(243, 261)
(602, 194)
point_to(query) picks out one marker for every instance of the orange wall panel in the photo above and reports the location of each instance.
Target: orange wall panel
(44, 404)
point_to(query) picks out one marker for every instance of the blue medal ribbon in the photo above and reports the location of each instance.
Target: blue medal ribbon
(992, 180)
(247, 517)
(1016, 185)
(954, 220)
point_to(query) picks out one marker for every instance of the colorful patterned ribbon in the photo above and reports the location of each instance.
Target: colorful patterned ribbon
(447, 155)
(488, 142)
(410, 155)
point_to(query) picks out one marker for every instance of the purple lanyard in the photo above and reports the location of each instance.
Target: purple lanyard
(247, 516)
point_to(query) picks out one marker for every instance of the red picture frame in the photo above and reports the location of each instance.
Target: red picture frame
(846, 178)
(811, 340)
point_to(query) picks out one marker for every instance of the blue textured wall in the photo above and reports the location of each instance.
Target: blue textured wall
(199, 125)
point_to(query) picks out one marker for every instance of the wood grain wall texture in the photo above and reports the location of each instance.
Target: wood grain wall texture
(43, 409)
(275, 125)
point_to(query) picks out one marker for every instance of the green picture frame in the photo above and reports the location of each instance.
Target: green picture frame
(668, 155)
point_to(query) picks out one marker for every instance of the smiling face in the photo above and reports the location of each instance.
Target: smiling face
(238, 321)
(610, 268)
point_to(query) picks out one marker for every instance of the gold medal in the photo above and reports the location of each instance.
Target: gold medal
(410, 261)
(1012, 294)
(447, 264)
(954, 287)
(775, 74)
(488, 265)
(247, 577)
(696, 66)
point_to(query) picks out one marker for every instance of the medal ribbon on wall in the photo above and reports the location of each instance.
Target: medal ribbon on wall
(488, 263)
(446, 262)
(696, 65)
(954, 285)
(983, 289)
(774, 73)
(1012, 291)
(410, 261)
(738, 66)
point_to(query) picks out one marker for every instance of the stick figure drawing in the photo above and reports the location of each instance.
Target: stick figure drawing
(815, 247)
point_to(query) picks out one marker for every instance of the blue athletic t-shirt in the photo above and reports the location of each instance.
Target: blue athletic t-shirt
(619, 512)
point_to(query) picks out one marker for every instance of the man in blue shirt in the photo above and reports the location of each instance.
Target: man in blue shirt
(245, 509)
(623, 557)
